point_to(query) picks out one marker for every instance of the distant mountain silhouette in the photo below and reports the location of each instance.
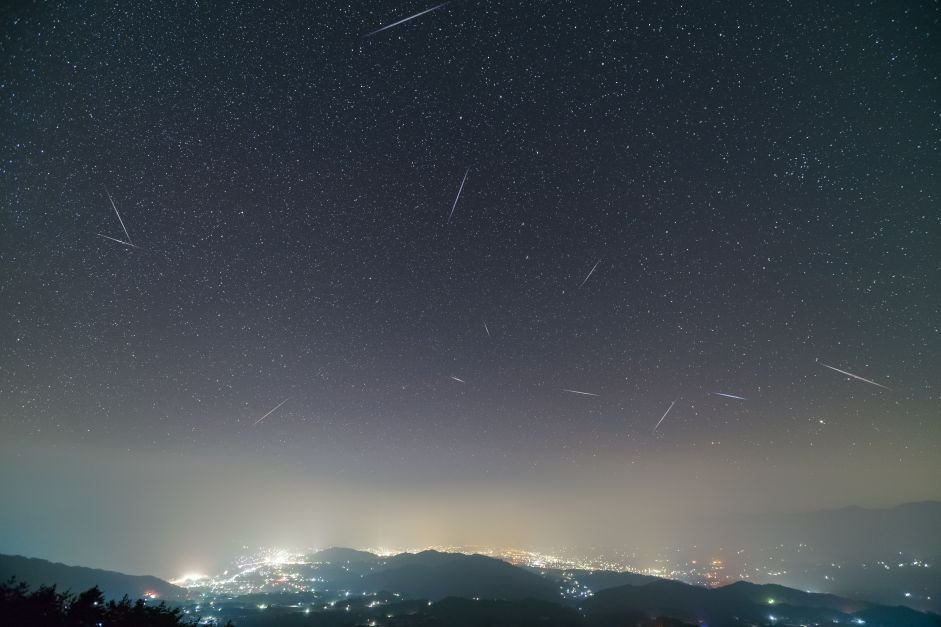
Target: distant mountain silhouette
(341, 555)
(36, 572)
(433, 575)
(424, 558)
(744, 603)
(773, 594)
(850, 533)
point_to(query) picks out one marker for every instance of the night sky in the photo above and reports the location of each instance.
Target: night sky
(753, 189)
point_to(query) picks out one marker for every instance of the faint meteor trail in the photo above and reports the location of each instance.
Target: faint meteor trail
(850, 374)
(458, 380)
(117, 240)
(117, 213)
(487, 330)
(411, 17)
(591, 272)
(273, 410)
(738, 398)
(664, 415)
(458, 197)
(579, 392)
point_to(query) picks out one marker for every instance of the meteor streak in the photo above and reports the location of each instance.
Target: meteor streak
(116, 240)
(458, 197)
(487, 330)
(738, 398)
(411, 17)
(274, 409)
(117, 213)
(579, 392)
(850, 374)
(585, 280)
(458, 380)
(664, 415)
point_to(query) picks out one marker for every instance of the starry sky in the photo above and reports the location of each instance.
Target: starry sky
(389, 234)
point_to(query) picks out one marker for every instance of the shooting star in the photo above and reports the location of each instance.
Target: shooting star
(458, 380)
(590, 273)
(411, 17)
(487, 330)
(117, 213)
(273, 410)
(117, 240)
(738, 398)
(458, 197)
(579, 392)
(850, 374)
(664, 415)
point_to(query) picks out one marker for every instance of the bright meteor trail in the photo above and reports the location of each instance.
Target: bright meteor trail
(114, 239)
(458, 197)
(738, 398)
(274, 409)
(664, 415)
(591, 272)
(579, 392)
(117, 213)
(850, 374)
(411, 17)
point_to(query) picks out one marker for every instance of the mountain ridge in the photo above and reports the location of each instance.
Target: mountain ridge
(36, 572)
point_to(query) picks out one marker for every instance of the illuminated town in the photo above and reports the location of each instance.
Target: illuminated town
(305, 581)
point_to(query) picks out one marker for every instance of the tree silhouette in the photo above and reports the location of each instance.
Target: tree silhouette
(44, 607)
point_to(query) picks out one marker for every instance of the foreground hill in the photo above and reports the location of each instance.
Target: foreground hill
(433, 575)
(450, 612)
(745, 603)
(37, 572)
(464, 613)
(595, 580)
